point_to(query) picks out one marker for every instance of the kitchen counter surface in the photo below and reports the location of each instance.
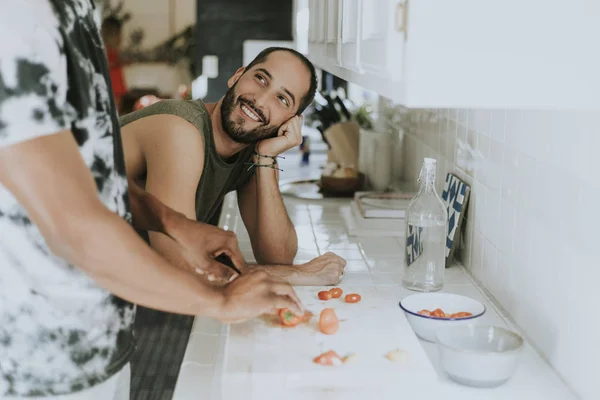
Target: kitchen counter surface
(373, 264)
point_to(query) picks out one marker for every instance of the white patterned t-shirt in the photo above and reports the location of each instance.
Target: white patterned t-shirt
(59, 331)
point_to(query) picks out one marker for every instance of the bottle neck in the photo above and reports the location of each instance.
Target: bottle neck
(428, 179)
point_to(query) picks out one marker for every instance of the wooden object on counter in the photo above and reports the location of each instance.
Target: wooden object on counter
(344, 141)
(341, 187)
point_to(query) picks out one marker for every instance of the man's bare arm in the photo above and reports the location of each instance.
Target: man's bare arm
(63, 202)
(272, 234)
(172, 151)
(149, 214)
(327, 269)
(198, 244)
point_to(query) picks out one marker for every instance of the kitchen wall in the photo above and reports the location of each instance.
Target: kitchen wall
(223, 26)
(532, 229)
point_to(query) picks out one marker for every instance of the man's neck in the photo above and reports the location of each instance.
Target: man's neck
(226, 146)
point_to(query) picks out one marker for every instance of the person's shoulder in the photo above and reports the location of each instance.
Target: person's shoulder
(34, 31)
(33, 72)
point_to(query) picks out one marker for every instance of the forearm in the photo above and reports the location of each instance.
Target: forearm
(291, 274)
(149, 213)
(169, 249)
(274, 240)
(114, 255)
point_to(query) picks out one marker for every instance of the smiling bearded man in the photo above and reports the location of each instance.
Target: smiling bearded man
(190, 155)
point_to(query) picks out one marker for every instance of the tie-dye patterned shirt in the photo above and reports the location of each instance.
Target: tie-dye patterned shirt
(59, 331)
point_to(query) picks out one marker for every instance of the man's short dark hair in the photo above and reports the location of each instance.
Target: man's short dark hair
(310, 95)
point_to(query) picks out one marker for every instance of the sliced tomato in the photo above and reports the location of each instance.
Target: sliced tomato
(288, 318)
(324, 295)
(426, 313)
(438, 313)
(352, 298)
(462, 314)
(329, 358)
(336, 293)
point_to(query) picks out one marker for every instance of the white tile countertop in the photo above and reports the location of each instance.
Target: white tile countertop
(374, 266)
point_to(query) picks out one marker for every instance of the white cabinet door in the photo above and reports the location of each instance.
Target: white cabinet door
(381, 46)
(364, 42)
(349, 48)
(333, 30)
(323, 33)
(316, 32)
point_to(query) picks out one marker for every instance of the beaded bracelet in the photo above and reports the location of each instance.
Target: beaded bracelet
(274, 158)
(273, 165)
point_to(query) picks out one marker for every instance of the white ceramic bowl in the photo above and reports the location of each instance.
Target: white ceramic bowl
(479, 355)
(424, 326)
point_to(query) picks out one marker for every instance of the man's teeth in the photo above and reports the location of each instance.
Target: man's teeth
(250, 113)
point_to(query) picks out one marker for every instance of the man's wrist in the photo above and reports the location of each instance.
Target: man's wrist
(172, 222)
(217, 307)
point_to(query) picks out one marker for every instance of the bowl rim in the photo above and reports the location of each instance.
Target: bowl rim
(520, 340)
(444, 318)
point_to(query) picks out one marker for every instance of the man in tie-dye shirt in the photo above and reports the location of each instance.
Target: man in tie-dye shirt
(71, 267)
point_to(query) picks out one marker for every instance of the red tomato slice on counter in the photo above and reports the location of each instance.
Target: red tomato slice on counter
(352, 298)
(288, 318)
(324, 295)
(329, 358)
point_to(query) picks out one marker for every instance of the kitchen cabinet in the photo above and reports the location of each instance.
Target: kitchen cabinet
(462, 53)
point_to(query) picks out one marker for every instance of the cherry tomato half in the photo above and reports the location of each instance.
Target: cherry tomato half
(462, 314)
(324, 295)
(288, 318)
(352, 298)
(438, 313)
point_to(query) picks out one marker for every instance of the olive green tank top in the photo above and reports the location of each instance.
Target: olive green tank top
(219, 176)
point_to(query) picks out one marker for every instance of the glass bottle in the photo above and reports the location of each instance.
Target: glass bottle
(426, 227)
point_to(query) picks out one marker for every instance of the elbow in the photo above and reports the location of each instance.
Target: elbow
(271, 251)
(62, 237)
(275, 259)
(277, 256)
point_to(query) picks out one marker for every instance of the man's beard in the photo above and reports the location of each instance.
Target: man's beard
(234, 127)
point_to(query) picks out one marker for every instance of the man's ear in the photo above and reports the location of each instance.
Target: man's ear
(234, 78)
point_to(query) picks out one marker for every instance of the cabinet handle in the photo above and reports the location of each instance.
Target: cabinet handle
(401, 17)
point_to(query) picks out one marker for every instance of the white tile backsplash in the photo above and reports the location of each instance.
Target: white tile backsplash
(532, 227)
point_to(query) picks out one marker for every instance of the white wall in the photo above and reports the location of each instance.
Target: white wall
(533, 227)
(156, 21)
